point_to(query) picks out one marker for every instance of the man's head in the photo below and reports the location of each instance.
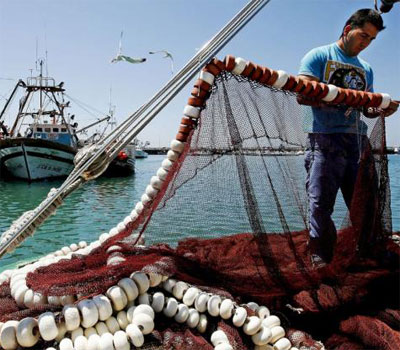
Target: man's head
(359, 31)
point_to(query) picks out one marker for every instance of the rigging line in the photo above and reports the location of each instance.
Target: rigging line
(81, 103)
(175, 84)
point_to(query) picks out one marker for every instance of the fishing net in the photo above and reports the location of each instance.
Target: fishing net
(231, 218)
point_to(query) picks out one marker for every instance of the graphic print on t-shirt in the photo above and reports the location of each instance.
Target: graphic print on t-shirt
(345, 75)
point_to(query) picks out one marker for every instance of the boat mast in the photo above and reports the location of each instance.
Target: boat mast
(20, 83)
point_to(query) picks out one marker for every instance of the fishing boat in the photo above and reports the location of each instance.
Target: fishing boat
(43, 140)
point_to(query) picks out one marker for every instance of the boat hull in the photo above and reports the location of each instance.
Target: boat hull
(35, 159)
(120, 168)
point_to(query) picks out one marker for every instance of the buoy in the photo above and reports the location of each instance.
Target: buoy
(8, 335)
(226, 309)
(118, 297)
(104, 306)
(144, 322)
(193, 319)
(93, 342)
(112, 325)
(282, 344)
(178, 146)
(106, 342)
(66, 344)
(144, 299)
(252, 325)
(130, 288)
(219, 337)
(169, 284)
(76, 333)
(200, 302)
(179, 289)
(282, 79)
(89, 331)
(121, 341)
(171, 307)
(182, 314)
(47, 326)
(172, 155)
(27, 332)
(262, 312)
(122, 319)
(80, 343)
(213, 305)
(263, 336)
(224, 346)
(141, 280)
(135, 335)
(271, 321)
(277, 333)
(144, 309)
(240, 65)
(155, 279)
(203, 322)
(158, 301)
(101, 328)
(89, 313)
(190, 296)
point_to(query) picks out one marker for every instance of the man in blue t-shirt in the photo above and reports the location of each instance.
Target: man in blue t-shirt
(336, 135)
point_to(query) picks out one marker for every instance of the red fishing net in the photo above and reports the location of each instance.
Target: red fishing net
(231, 218)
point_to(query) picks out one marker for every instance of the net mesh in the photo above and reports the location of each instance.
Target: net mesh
(232, 219)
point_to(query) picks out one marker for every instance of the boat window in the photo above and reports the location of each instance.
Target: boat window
(63, 130)
(47, 129)
(55, 130)
(39, 129)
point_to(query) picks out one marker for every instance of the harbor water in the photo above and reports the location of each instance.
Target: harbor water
(98, 206)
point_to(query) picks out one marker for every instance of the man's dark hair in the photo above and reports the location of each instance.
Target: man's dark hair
(360, 17)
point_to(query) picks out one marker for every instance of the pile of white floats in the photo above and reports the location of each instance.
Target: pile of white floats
(126, 314)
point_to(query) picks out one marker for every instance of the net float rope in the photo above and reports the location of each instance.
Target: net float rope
(121, 318)
(96, 159)
(329, 93)
(89, 315)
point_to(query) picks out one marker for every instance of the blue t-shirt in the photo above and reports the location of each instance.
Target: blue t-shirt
(332, 66)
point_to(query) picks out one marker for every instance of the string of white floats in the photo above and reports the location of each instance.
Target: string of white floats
(13, 333)
(113, 321)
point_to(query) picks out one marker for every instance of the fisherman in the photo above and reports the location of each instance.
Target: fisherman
(336, 135)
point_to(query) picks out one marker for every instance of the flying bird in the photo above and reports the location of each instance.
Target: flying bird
(166, 55)
(121, 57)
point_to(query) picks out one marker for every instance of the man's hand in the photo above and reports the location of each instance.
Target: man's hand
(394, 105)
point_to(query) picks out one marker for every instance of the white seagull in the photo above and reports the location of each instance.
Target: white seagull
(166, 55)
(121, 57)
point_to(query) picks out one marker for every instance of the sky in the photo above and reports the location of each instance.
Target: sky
(82, 36)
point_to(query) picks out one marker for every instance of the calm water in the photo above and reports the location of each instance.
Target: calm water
(98, 206)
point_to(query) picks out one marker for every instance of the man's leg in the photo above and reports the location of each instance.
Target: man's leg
(325, 167)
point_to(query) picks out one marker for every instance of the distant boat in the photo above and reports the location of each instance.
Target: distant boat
(140, 153)
(139, 147)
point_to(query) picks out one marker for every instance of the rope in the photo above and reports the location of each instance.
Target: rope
(94, 161)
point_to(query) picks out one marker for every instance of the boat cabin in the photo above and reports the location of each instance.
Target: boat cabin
(52, 132)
